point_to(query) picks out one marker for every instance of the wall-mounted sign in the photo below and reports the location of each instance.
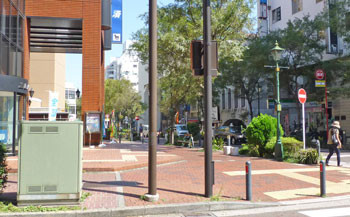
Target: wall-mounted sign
(93, 122)
(117, 21)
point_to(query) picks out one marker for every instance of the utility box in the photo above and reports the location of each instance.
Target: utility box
(50, 162)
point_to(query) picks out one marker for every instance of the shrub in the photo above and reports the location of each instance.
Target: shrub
(260, 130)
(3, 167)
(291, 146)
(307, 156)
(249, 149)
(194, 129)
(218, 144)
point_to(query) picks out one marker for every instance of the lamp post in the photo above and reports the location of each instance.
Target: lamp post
(77, 93)
(276, 54)
(259, 89)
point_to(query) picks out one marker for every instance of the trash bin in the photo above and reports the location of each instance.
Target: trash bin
(50, 162)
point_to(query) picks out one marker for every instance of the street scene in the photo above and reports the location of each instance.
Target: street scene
(174, 108)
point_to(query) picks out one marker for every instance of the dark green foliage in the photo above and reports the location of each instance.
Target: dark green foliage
(308, 156)
(193, 128)
(3, 167)
(291, 146)
(260, 130)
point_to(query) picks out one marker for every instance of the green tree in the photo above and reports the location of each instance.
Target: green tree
(178, 25)
(123, 99)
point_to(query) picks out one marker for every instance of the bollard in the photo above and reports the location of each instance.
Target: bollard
(318, 146)
(323, 178)
(248, 176)
(158, 139)
(229, 140)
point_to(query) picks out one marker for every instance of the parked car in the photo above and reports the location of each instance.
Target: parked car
(235, 132)
(181, 129)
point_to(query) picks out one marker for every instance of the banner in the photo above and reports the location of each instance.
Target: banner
(53, 101)
(117, 21)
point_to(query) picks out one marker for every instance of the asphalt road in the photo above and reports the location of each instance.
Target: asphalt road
(323, 207)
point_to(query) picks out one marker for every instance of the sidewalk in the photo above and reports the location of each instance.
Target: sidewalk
(117, 177)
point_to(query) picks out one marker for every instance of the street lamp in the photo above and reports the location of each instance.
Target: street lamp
(77, 93)
(276, 54)
(31, 94)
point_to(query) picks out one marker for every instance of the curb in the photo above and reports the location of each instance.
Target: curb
(173, 208)
(150, 210)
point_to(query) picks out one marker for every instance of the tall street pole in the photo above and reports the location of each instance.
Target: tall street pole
(152, 142)
(209, 170)
(278, 146)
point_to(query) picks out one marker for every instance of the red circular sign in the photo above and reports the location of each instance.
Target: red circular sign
(137, 118)
(319, 74)
(302, 96)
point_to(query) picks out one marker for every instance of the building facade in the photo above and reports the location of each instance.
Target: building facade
(13, 79)
(274, 15)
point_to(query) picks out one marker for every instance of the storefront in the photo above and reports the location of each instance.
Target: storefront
(13, 88)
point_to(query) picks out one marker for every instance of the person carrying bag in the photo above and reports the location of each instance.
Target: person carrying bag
(334, 142)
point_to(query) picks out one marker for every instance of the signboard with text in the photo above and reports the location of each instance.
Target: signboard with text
(117, 21)
(53, 101)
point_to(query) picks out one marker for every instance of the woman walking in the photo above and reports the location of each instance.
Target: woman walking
(334, 142)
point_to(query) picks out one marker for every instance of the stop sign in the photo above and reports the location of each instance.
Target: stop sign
(302, 96)
(319, 74)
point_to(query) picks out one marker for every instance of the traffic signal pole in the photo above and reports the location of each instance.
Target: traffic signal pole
(209, 170)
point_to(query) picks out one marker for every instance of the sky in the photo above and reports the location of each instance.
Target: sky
(132, 9)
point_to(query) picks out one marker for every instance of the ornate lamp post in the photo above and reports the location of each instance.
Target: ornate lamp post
(276, 54)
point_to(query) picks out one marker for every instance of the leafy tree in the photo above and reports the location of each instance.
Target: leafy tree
(123, 99)
(178, 25)
(246, 74)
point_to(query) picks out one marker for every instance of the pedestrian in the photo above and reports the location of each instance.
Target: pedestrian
(141, 130)
(334, 143)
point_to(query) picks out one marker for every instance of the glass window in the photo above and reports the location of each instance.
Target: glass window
(242, 98)
(19, 67)
(229, 99)
(5, 22)
(276, 15)
(13, 36)
(66, 94)
(20, 32)
(71, 95)
(6, 117)
(4, 57)
(12, 62)
(297, 5)
(223, 99)
(235, 96)
(71, 109)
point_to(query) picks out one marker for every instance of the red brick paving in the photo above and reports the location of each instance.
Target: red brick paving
(181, 181)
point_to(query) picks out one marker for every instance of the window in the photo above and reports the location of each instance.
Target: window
(242, 98)
(276, 15)
(343, 117)
(347, 21)
(66, 94)
(13, 30)
(71, 109)
(229, 99)
(317, 1)
(71, 95)
(235, 96)
(135, 66)
(19, 67)
(12, 62)
(5, 21)
(4, 57)
(223, 99)
(297, 5)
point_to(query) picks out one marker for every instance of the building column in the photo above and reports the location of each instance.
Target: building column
(92, 99)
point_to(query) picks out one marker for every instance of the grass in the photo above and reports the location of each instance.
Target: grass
(84, 195)
(142, 197)
(9, 207)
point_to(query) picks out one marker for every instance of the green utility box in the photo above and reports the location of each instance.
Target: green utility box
(50, 162)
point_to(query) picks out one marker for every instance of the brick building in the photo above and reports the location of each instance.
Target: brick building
(50, 26)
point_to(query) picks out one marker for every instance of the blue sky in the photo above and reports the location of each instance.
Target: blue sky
(132, 9)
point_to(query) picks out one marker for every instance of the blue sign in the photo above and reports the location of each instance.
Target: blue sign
(117, 21)
(3, 136)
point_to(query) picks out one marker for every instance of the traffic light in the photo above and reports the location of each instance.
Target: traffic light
(197, 57)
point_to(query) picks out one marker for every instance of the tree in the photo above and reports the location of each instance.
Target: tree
(246, 74)
(178, 25)
(123, 99)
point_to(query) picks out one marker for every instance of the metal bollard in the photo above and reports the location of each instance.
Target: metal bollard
(318, 145)
(229, 140)
(323, 178)
(248, 177)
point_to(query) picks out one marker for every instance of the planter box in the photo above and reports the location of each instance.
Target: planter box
(234, 151)
(227, 150)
